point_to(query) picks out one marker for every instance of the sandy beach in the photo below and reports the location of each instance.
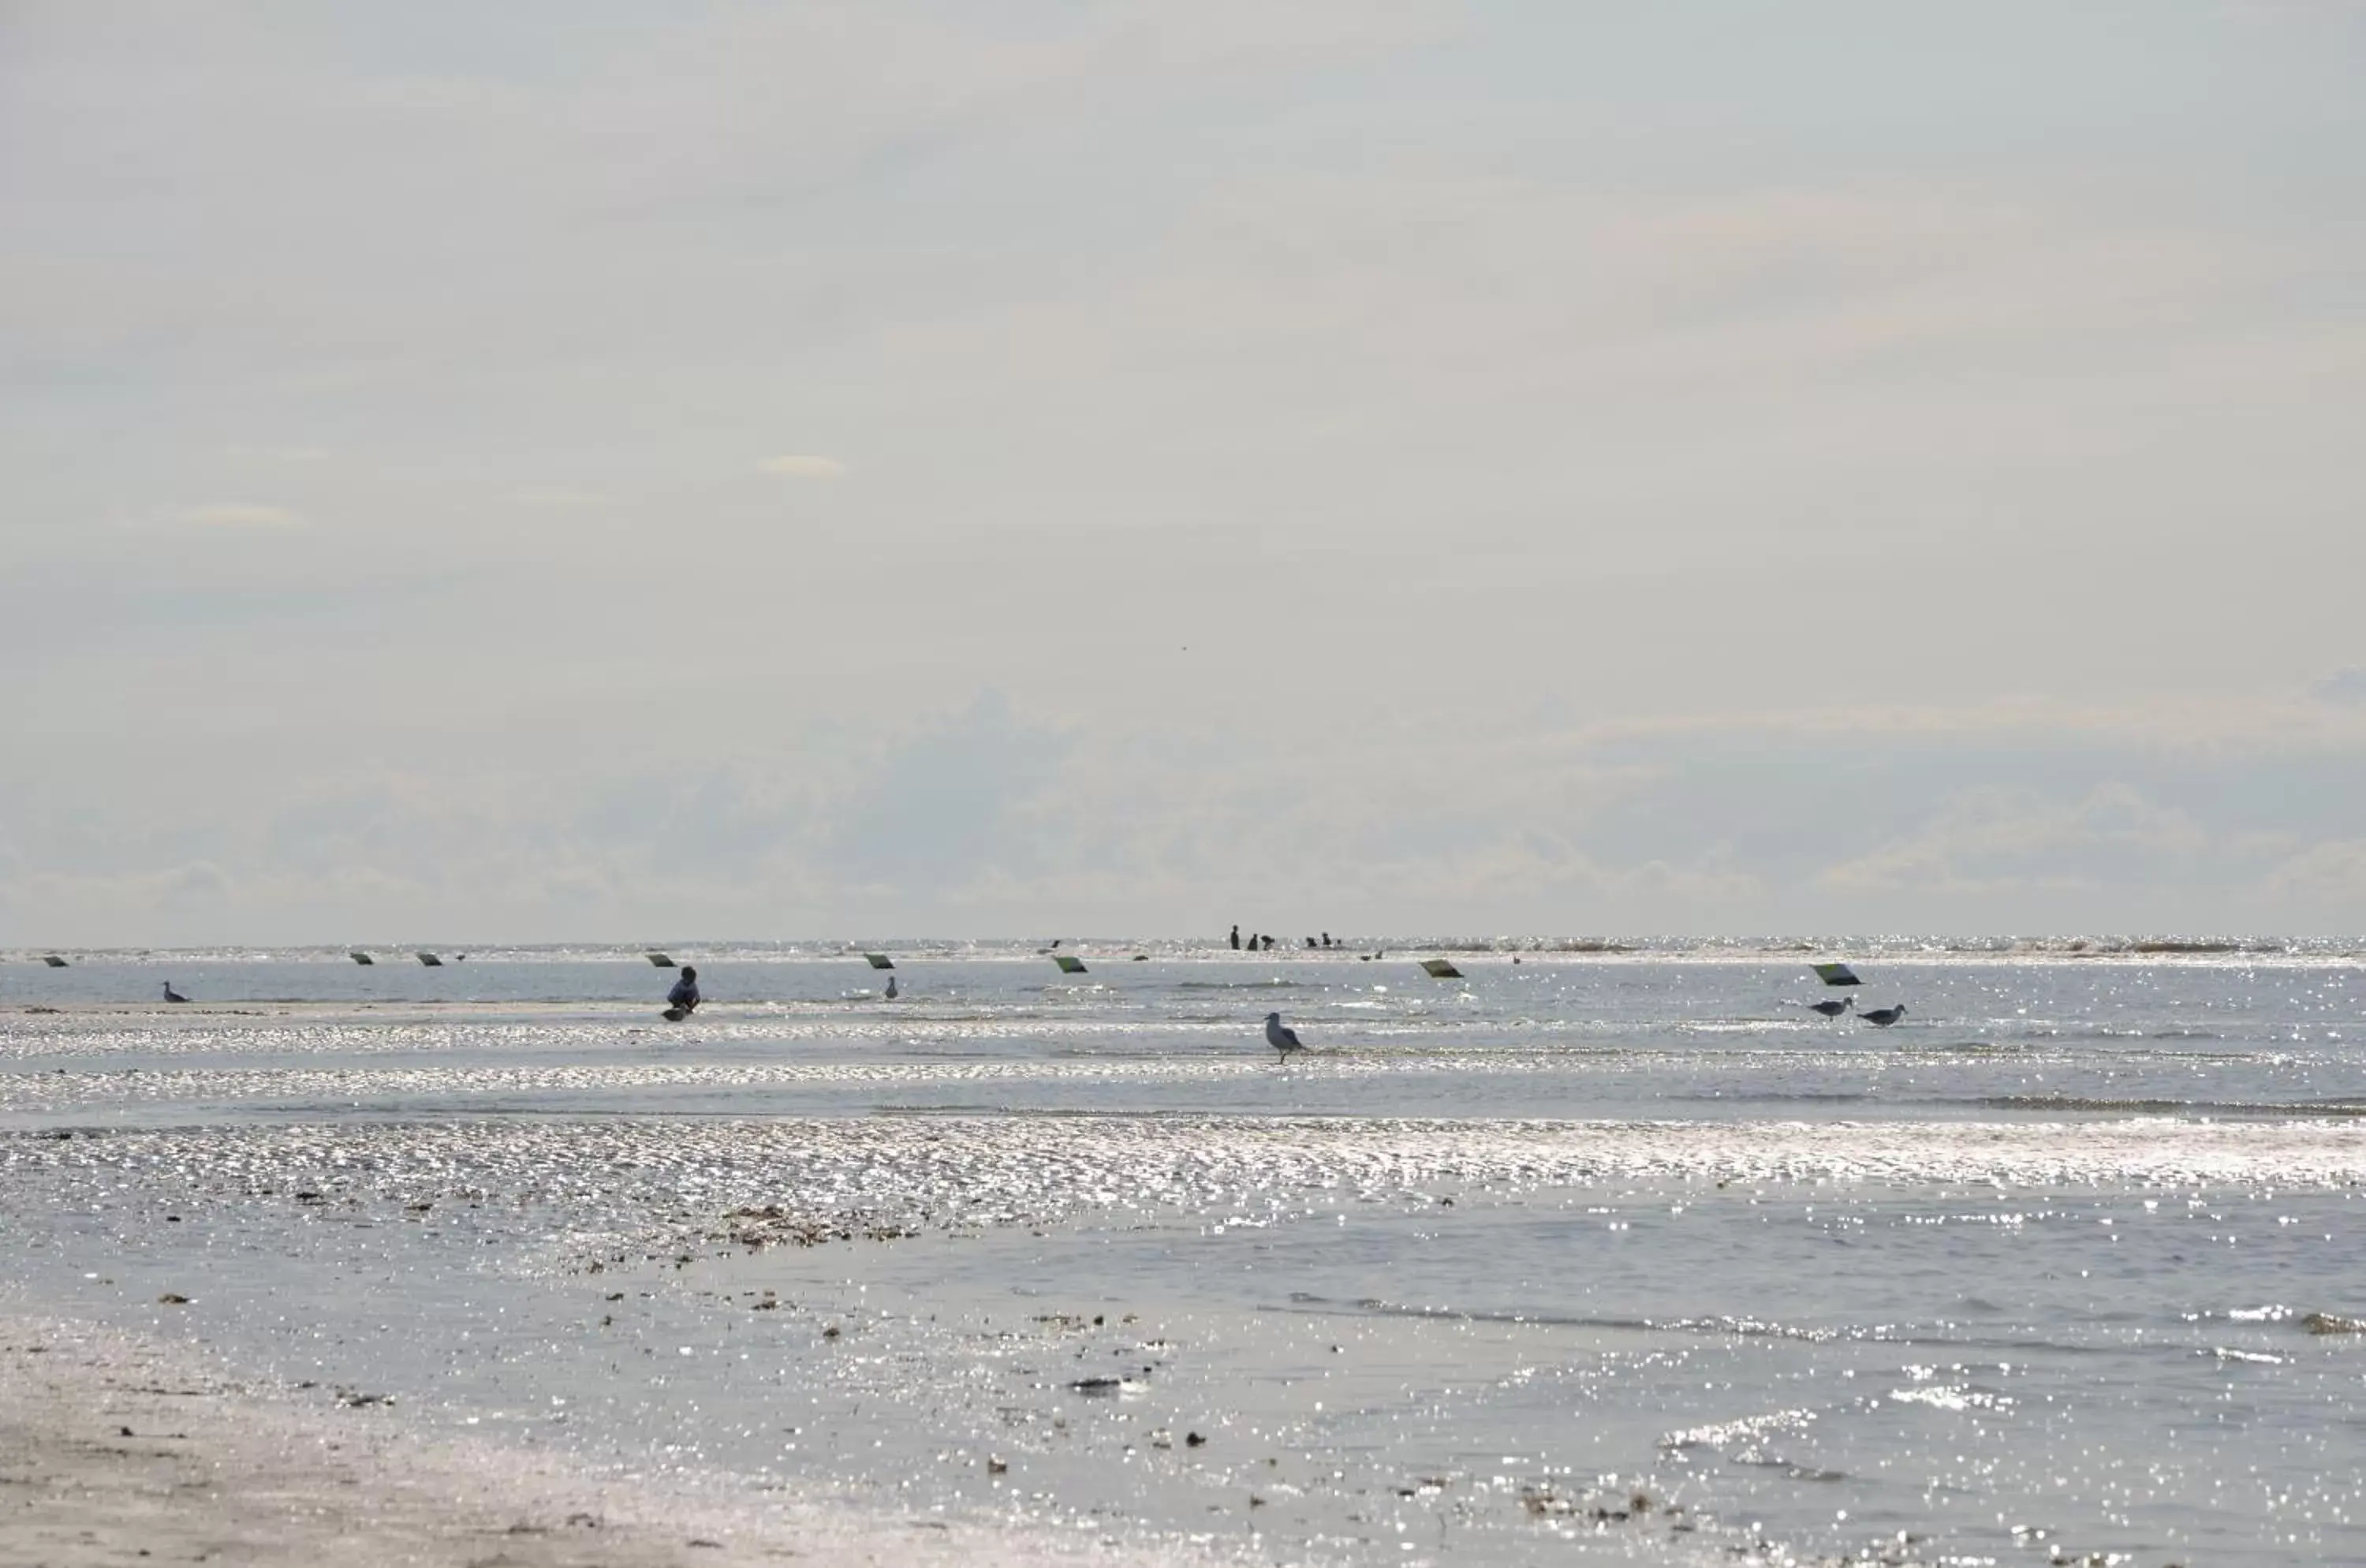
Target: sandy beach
(116, 1450)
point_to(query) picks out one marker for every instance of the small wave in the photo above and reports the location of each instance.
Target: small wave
(1301, 1301)
(1791, 1470)
(1747, 1428)
(2170, 1107)
(1799, 1097)
(1951, 1396)
(1748, 1328)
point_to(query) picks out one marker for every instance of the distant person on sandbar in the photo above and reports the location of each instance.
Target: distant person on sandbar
(1236, 938)
(684, 995)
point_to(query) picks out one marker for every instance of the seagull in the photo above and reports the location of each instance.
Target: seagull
(1280, 1036)
(1882, 1018)
(891, 987)
(171, 995)
(1833, 1009)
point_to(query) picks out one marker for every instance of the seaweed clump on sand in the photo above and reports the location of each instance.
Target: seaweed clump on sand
(771, 1226)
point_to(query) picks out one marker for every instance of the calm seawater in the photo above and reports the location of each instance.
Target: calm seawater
(1612, 1258)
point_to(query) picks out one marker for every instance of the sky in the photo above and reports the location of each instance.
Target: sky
(583, 470)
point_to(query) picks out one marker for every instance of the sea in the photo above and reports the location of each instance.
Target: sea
(1583, 1251)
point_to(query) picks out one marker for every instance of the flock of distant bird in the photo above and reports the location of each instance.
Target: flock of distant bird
(1285, 1041)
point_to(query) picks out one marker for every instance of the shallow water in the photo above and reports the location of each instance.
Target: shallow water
(2027, 1275)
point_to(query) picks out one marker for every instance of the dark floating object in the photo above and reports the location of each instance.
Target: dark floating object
(430, 960)
(1439, 969)
(674, 1015)
(879, 961)
(363, 959)
(171, 995)
(1105, 1388)
(1069, 962)
(460, 958)
(53, 960)
(1833, 1009)
(1837, 975)
(1882, 1017)
(1142, 958)
(662, 961)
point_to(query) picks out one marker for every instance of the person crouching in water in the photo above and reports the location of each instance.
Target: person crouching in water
(684, 994)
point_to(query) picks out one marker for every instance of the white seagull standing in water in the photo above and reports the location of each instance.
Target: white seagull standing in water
(1281, 1037)
(1882, 1017)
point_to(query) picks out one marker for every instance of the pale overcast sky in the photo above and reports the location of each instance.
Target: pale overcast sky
(587, 470)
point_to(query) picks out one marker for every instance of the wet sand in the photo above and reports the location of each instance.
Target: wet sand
(114, 1451)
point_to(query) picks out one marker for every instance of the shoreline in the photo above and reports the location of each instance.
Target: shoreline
(118, 1449)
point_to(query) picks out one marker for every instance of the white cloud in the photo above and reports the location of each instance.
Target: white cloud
(2328, 875)
(1994, 839)
(804, 465)
(996, 819)
(2346, 686)
(265, 452)
(238, 515)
